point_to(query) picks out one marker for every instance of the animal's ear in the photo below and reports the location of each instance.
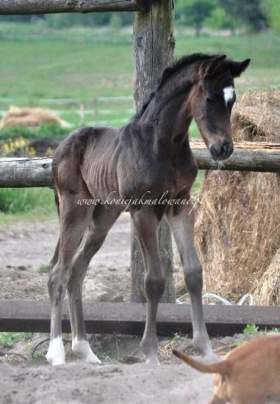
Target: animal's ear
(237, 68)
(211, 67)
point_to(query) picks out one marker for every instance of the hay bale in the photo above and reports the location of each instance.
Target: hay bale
(238, 221)
(30, 118)
(267, 291)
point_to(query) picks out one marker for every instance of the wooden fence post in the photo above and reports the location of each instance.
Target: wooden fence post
(154, 45)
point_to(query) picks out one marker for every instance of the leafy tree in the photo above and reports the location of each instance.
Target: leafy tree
(194, 12)
(272, 10)
(65, 20)
(249, 12)
(219, 19)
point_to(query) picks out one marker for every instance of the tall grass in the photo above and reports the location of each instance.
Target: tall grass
(39, 201)
(49, 131)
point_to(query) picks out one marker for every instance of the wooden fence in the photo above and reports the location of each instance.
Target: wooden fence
(36, 172)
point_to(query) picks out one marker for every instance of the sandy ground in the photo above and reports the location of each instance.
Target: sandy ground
(25, 250)
(77, 383)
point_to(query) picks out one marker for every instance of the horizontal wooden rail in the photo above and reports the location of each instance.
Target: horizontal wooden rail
(25, 172)
(247, 156)
(36, 172)
(129, 318)
(10, 7)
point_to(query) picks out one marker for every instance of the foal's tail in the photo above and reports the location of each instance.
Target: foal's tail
(218, 367)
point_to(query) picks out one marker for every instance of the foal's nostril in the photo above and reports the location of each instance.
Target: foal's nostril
(214, 152)
(227, 148)
(221, 150)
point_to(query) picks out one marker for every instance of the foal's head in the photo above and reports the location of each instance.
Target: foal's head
(211, 101)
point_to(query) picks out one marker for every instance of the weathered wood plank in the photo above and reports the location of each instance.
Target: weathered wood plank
(128, 318)
(25, 172)
(242, 159)
(36, 172)
(10, 7)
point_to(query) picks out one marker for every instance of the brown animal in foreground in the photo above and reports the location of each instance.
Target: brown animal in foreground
(249, 374)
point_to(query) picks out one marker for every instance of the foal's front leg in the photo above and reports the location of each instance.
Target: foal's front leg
(146, 228)
(181, 221)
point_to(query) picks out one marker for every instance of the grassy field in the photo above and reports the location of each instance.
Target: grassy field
(87, 75)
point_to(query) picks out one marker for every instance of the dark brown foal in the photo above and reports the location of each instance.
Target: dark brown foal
(149, 162)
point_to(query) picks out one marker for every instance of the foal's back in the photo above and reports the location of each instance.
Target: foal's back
(83, 158)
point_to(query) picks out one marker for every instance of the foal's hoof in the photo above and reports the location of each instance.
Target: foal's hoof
(56, 353)
(83, 350)
(152, 360)
(211, 357)
(203, 345)
(55, 361)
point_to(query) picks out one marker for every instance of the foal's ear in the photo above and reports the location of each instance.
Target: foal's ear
(211, 67)
(237, 68)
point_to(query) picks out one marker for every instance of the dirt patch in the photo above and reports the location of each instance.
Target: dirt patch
(26, 249)
(123, 377)
(77, 383)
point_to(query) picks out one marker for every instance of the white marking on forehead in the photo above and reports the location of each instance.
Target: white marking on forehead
(229, 93)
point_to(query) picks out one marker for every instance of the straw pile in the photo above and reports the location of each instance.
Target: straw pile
(31, 117)
(238, 219)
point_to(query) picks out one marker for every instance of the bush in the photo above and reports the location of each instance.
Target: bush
(272, 10)
(220, 20)
(27, 200)
(49, 131)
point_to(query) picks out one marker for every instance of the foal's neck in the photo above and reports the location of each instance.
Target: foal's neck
(170, 115)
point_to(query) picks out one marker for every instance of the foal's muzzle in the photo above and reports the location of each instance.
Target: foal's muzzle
(221, 149)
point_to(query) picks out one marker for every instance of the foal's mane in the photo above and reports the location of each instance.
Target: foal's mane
(169, 71)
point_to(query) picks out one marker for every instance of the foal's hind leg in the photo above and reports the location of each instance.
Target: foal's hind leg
(103, 219)
(146, 224)
(54, 259)
(73, 223)
(182, 224)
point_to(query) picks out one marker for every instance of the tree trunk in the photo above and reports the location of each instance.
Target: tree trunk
(154, 45)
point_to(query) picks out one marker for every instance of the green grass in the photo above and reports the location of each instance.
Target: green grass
(81, 72)
(9, 339)
(39, 66)
(84, 63)
(34, 201)
(51, 130)
(251, 329)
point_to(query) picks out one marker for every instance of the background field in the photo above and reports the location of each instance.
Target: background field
(87, 76)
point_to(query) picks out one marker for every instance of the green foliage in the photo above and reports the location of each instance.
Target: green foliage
(9, 339)
(194, 12)
(16, 18)
(272, 10)
(249, 13)
(251, 329)
(44, 269)
(67, 20)
(219, 19)
(19, 200)
(48, 130)
(116, 21)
